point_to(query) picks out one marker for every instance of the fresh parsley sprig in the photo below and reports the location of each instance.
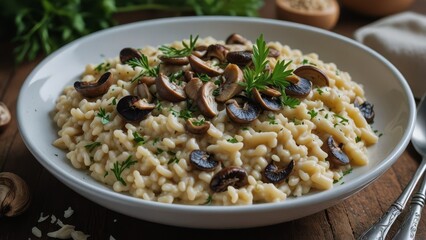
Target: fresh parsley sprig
(172, 52)
(119, 168)
(143, 63)
(258, 78)
(103, 115)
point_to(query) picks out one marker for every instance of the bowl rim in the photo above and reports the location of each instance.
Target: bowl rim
(364, 180)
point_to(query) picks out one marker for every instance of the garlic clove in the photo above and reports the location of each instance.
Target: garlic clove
(14, 195)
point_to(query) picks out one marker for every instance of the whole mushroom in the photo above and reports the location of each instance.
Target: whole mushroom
(273, 174)
(242, 114)
(168, 90)
(230, 176)
(132, 108)
(335, 154)
(202, 160)
(14, 195)
(94, 89)
(127, 54)
(313, 74)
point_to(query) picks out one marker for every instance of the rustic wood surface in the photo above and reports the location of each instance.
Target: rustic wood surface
(346, 220)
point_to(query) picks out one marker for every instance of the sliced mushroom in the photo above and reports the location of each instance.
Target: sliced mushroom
(200, 51)
(193, 87)
(94, 89)
(169, 91)
(5, 116)
(149, 81)
(133, 109)
(366, 108)
(174, 60)
(14, 195)
(230, 176)
(273, 174)
(143, 92)
(188, 75)
(335, 154)
(233, 77)
(196, 126)
(202, 160)
(236, 38)
(241, 58)
(200, 66)
(313, 74)
(245, 114)
(217, 51)
(205, 100)
(301, 89)
(266, 102)
(127, 54)
(271, 92)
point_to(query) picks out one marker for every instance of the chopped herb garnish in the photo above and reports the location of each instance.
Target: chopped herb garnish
(337, 72)
(336, 180)
(320, 91)
(155, 141)
(92, 146)
(144, 64)
(173, 159)
(326, 116)
(271, 120)
(103, 115)
(172, 52)
(175, 77)
(138, 138)
(159, 106)
(343, 120)
(232, 140)
(216, 92)
(217, 82)
(174, 112)
(342, 183)
(357, 139)
(119, 168)
(106, 174)
(305, 61)
(245, 128)
(199, 122)
(103, 67)
(208, 200)
(203, 77)
(297, 121)
(312, 113)
(160, 151)
(185, 114)
(346, 172)
(258, 78)
(114, 101)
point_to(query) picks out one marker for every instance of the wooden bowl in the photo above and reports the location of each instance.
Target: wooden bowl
(377, 8)
(326, 18)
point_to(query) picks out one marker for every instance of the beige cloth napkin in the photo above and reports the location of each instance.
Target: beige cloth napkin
(400, 38)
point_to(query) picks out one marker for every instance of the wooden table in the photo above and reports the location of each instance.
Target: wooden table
(346, 220)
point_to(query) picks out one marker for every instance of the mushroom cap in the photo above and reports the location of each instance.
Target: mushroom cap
(193, 87)
(233, 76)
(266, 102)
(301, 89)
(143, 92)
(205, 100)
(230, 176)
(132, 108)
(217, 51)
(196, 128)
(127, 54)
(94, 89)
(174, 60)
(202, 160)
(200, 66)
(15, 196)
(335, 154)
(366, 109)
(313, 74)
(241, 58)
(5, 115)
(236, 38)
(169, 91)
(274, 175)
(246, 114)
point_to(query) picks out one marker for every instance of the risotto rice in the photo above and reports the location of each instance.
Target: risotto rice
(150, 158)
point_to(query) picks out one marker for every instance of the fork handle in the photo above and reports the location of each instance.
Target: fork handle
(409, 227)
(380, 229)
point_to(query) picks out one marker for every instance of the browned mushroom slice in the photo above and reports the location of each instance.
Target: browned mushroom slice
(174, 60)
(94, 89)
(143, 92)
(196, 126)
(273, 174)
(200, 51)
(132, 108)
(233, 77)
(205, 100)
(188, 75)
(149, 81)
(236, 38)
(168, 90)
(202, 160)
(271, 92)
(216, 51)
(200, 66)
(127, 54)
(15, 196)
(5, 116)
(366, 108)
(335, 154)
(241, 58)
(230, 176)
(313, 74)
(245, 114)
(266, 102)
(301, 89)
(193, 87)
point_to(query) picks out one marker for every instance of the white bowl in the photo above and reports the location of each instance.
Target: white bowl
(384, 86)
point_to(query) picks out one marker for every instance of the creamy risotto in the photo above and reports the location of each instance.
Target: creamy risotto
(220, 122)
